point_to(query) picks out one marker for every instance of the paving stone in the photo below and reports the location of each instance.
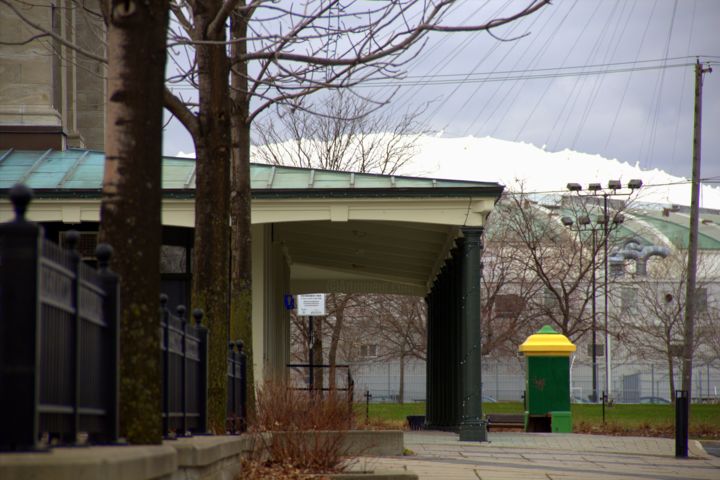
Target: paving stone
(439, 455)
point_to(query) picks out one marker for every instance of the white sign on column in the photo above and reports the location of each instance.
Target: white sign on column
(311, 305)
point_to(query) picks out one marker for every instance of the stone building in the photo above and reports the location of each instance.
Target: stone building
(51, 96)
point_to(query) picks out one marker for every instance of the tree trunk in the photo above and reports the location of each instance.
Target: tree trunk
(130, 209)
(318, 374)
(671, 377)
(240, 204)
(212, 212)
(401, 390)
(339, 309)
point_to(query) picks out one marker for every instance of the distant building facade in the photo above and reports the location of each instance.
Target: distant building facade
(51, 96)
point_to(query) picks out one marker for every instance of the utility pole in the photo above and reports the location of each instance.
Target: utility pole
(690, 294)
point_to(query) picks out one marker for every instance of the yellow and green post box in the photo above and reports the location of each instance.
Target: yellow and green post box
(547, 391)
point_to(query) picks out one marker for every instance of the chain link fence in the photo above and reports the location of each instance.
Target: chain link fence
(504, 380)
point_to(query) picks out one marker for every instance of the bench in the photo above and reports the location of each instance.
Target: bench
(505, 420)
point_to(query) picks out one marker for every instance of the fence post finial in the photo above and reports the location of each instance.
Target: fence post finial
(197, 314)
(180, 310)
(20, 196)
(72, 237)
(240, 345)
(103, 252)
(163, 300)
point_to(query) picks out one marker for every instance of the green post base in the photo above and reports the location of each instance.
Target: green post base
(474, 432)
(561, 422)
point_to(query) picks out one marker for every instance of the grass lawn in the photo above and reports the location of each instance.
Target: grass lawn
(620, 418)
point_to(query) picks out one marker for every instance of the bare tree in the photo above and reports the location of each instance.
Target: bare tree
(509, 287)
(130, 48)
(277, 53)
(283, 52)
(556, 257)
(204, 24)
(346, 133)
(399, 324)
(650, 311)
(562, 258)
(130, 209)
(338, 306)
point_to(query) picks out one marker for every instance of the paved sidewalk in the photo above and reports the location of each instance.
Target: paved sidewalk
(439, 455)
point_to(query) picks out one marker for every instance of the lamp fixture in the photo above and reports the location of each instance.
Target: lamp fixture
(574, 187)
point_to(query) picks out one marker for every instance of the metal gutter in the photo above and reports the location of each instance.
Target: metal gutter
(421, 192)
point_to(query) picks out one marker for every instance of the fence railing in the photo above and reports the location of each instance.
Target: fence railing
(236, 383)
(184, 372)
(319, 386)
(185, 376)
(58, 339)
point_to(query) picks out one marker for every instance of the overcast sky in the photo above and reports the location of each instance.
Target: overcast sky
(640, 116)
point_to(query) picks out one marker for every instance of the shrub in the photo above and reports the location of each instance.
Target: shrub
(308, 432)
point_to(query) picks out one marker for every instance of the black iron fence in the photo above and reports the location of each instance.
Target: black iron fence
(59, 345)
(236, 382)
(185, 376)
(184, 366)
(58, 339)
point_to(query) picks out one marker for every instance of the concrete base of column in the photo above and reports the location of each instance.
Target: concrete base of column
(475, 431)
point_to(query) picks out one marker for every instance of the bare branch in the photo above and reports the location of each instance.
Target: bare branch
(180, 110)
(218, 22)
(51, 34)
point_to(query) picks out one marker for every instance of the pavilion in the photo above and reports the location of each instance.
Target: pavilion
(313, 231)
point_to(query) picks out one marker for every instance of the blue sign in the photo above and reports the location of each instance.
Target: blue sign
(289, 302)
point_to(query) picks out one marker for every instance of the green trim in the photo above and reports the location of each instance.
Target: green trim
(547, 330)
(297, 193)
(77, 173)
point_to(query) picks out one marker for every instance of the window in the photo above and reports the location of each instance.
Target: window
(367, 351)
(87, 242)
(173, 259)
(509, 305)
(701, 300)
(550, 301)
(628, 300)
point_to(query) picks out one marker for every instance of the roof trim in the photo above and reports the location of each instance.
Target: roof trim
(315, 193)
(75, 176)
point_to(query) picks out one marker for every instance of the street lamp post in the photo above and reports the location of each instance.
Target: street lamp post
(584, 224)
(595, 190)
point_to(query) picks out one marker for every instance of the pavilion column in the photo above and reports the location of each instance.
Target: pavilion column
(430, 363)
(472, 425)
(455, 334)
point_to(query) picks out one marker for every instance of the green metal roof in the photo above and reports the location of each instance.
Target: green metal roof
(676, 228)
(667, 225)
(77, 171)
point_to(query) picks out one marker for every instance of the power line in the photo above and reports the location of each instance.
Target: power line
(579, 83)
(402, 83)
(553, 69)
(517, 75)
(482, 111)
(658, 92)
(681, 100)
(599, 81)
(630, 77)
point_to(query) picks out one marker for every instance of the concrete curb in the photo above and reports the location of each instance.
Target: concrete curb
(375, 475)
(376, 443)
(109, 463)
